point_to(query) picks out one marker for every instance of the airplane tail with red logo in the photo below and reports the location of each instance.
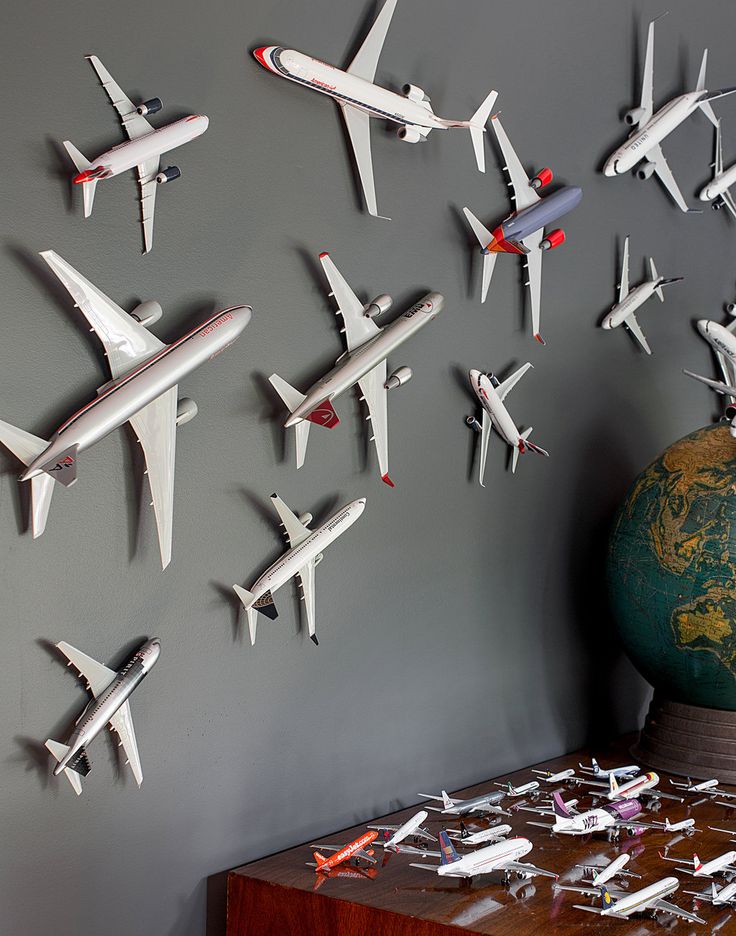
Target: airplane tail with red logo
(27, 448)
(697, 863)
(448, 855)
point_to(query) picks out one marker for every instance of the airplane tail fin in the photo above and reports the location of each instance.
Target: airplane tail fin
(517, 449)
(612, 784)
(606, 899)
(558, 804)
(594, 765)
(59, 751)
(319, 858)
(446, 800)
(82, 164)
(485, 238)
(293, 399)
(448, 855)
(697, 863)
(27, 448)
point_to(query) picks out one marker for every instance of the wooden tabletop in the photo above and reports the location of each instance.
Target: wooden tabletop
(280, 894)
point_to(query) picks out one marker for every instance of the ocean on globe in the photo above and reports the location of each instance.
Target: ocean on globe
(672, 570)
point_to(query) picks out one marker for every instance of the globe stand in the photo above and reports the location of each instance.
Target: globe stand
(688, 740)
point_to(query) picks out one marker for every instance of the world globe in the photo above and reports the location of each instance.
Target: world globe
(672, 570)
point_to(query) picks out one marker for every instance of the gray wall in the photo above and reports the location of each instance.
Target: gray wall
(463, 631)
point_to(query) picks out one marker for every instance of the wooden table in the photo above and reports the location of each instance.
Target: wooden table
(280, 895)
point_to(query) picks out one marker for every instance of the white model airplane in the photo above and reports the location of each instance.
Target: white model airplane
(629, 300)
(451, 806)
(363, 363)
(722, 340)
(620, 904)
(142, 152)
(717, 190)
(602, 874)
(595, 770)
(650, 128)
(524, 790)
(559, 777)
(360, 99)
(467, 838)
(707, 787)
(630, 789)
(725, 897)
(501, 856)
(491, 395)
(412, 827)
(723, 864)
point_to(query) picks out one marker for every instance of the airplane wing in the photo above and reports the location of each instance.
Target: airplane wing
(362, 853)
(623, 286)
(122, 723)
(358, 124)
(147, 184)
(725, 389)
(134, 124)
(533, 263)
(155, 427)
(126, 342)
(661, 794)
(366, 61)
(375, 396)
(359, 328)
(508, 385)
(591, 891)
(486, 431)
(656, 156)
(666, 907)
(306, 577)
(632, 323)
(296, 531)
(523, 868)
(98, 676)
(647, 82)
(718, 164)
(524, 195)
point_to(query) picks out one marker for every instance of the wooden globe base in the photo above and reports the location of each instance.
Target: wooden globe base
(688, 740)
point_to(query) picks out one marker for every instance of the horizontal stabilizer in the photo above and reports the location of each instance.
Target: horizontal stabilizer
(477, 127)
(479, 229)
(59, 751)
(292, 398)
(25, 446)
(63, 468)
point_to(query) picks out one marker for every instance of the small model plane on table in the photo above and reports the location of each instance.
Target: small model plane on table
(621, 904)
(613, 816)
(363, 363)
(142, 152)
(111, 692)
(723, 864)
(522, 233)
(451, 806)
(301, 558)
(501, 856)
(413, 828)
(623, 312)
(643, 785)
(142, 390)
(467, 838)
(561, 776)
(357, 849)
(360, 99)
(602, 874)
(491, 394)
(725, 897)
(595, 770)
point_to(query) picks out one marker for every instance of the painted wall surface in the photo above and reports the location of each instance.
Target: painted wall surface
(464, 632)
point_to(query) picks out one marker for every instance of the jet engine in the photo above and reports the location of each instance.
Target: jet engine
(634, 115)
(306, 518)
(148, 312)
(716, 204)
(731, 308)
(553, 239)
(409, 134)
(186, 410)
(473, 423)
(168, 174)
(152, 106)
(414, 93)
(399, 377)
(645, 171)
(542, 178)
(378, 306)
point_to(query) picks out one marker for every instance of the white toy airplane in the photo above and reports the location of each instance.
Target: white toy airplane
(717, 190)
(650, 128)
(501, 856)
(628, 770)
(491, 395)
(451, 806)
(532, 787)
(707, 787)
(360, 99)
(466, 838)
(621, 905)
(412, 827)
(142, 152)
(723, 864)
(725, 897)
(560, 777)
(629, 300)
(634, 788)
(602, 874)
(301, 558)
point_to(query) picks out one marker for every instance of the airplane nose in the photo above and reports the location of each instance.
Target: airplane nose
(474, 375)
(260, 56)
(606, 323)
(610, 167)
(702, 326)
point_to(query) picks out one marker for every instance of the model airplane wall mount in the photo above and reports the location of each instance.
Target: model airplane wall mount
(722, 339)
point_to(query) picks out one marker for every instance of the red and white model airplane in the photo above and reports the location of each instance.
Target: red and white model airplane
(358, 848)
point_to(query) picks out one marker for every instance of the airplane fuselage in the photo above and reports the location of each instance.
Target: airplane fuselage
(597, 820)
(122, 398)
(726, 895)
(716, 865)
(640, 900)
(718, 185)
(612, 869)
(632, 788)
(356, 364)
(464, 807)
(485, 860)
(347, 852)
(484, 835)
(494, 406)
(719, 338)
(408, 828)
(99, 711)
(620, 311)
(535, 217)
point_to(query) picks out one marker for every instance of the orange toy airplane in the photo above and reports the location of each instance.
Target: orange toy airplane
(355, 849)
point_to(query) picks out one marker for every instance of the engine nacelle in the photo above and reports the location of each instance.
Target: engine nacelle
(731, 308)
(473, 423)
(306, 518)
(186, 410)
(645, 171)
(634, 115)
(148, 312)
(378, 306)
(716, 204)
(409, 134)
(168, 175)
(542, 178)
(153, 106)
(414, 93)
(553, 239)
(400, 376)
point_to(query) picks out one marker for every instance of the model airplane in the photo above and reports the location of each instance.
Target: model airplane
(524, 790)
(615, 816)
(650, 129)
(110, 694)
(501, 856)
(467, 838)
(723, 864)
(595, 770)
(360, 99)
(637, 786)
(522, 233)
(142, 151)
(722, 340)
(623, 312)
(491, 394)
(364, 363)
(602, 874)
(620, 904)
(559, 777)
(451, 806)
(706, 787)
(142, 390)
(717, 190)
(359, 849)
(301, 558)
(725, 897)
(412, 827)
(683, 825)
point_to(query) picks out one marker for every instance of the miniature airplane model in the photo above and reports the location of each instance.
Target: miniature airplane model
(637, 786)
(492, 834)
(501, 856)
(621, 815)
(360, 99)
(412, 827)
(629, 770)
(111, 692)
(359, 848)
(141, 152)
(524, 790)
(621, 905)
(364, 363)
(522, 233)
(708, 787)
(650, 128)
(684, 825)
(491, 395)
(723, 864)
(717, 190)
(142, 390)
(301, 558)
(624, 310)
(486, 802)
(722, 340)
(725, 897)
(602, 874)
(558, 777)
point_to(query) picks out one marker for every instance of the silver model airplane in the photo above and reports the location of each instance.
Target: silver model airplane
(486, 802)
(364, 363)
(143, 391)
(110, 691)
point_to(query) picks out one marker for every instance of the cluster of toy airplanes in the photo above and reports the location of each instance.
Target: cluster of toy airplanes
(492, 847)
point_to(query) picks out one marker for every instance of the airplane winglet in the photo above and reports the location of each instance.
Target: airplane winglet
(540, 339)
(386, 480)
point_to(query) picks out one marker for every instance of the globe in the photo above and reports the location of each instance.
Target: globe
(672, 570)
